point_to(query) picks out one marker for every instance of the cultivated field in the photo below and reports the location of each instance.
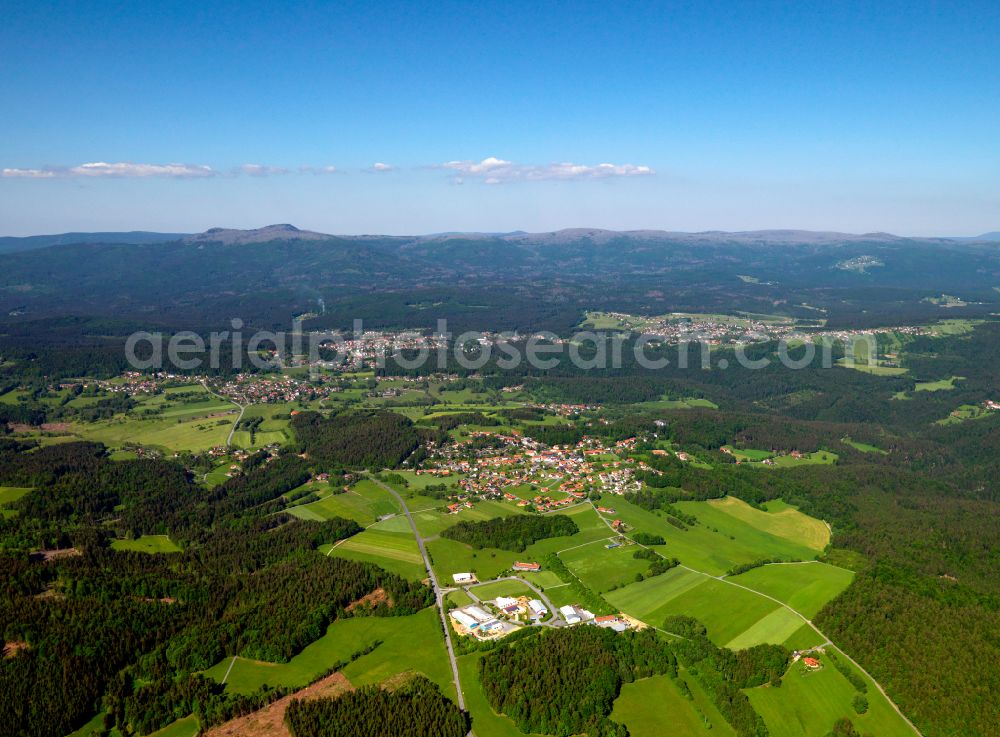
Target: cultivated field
(395, 551)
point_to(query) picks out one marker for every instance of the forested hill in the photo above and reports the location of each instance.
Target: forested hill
(547, 279)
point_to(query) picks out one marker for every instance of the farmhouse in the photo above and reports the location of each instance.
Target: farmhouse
(531, 567)
(811, 663)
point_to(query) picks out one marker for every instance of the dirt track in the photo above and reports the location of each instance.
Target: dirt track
(270, 721)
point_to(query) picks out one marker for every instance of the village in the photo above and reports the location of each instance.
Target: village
(545, 478)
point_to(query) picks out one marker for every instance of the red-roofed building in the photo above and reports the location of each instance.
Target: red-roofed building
(811, 662)
(527, 566)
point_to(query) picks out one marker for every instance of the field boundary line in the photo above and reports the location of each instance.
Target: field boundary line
(230, 669)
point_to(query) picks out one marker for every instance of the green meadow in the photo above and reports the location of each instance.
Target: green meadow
(778, 519)
(726, 611)
(863, 447)
(10, 494)
(602, 569)
(809, 702)
(412, 643)
(937, 386)
(490, 591)
(805, 587)
(653, 707)
(147, 544)
(364, 502)
(392, 550)
(723, 540)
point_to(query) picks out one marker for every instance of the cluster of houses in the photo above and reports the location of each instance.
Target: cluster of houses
(562, 475)
(568, 410)
(271, 389)
(678, 328)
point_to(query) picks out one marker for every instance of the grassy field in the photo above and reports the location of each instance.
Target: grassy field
(937, 386)
(394, 551)
(722, 540)
(803, 638)
(413, 643)
(186, 727)
(542, 579)
(490, 591)
(776, 628)
(780, 520)
(147, 544)
(602, 569)
(749, 454)
(863, 447)
(10, 494)
(365, 502)
(194, 435)
(648, 706)
(806, 587)
(808, 704)
(646, 598)
(432, 521)
(823, 457)
(726, 611)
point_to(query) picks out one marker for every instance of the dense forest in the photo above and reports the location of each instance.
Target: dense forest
(564, 682)
(415, 709)
(356, 440)
(515, 533)
(248, 582)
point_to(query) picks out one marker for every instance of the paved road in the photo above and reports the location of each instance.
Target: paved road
(232, 430)
(805, 619)
(438, 593)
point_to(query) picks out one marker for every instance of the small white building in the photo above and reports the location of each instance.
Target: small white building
(464, 578)
(569, 614)
(505, 601)
(537, 608)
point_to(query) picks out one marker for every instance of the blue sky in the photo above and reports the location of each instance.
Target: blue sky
(500, 116)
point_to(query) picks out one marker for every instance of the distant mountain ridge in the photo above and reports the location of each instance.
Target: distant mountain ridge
(12, 244)
(595, 236)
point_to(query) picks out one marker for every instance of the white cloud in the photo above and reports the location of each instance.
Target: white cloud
(260, 170)
(28, 173)
(379, 166)
(493, 170)
(127, 169)
(319, 170)
(121, 169)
